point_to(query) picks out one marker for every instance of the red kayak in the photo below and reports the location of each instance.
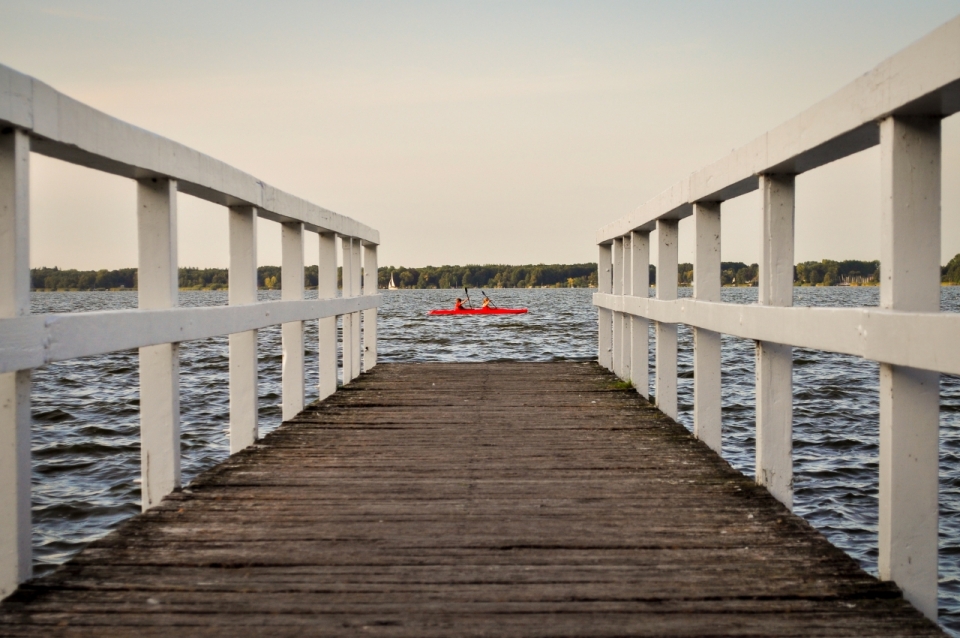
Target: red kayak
(480, 311)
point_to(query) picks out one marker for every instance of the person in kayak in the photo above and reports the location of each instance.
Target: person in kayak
(486, 303)
(458, 304)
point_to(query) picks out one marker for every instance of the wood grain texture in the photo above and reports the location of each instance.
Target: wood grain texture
(494, 499)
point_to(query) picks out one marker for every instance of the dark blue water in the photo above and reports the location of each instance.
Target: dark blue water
(86, 429)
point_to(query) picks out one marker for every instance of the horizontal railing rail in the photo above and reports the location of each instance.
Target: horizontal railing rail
(34, 118)
(34, 341)
(924, 340)
(899, 105)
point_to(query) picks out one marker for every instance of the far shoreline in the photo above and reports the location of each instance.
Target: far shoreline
(943, 284)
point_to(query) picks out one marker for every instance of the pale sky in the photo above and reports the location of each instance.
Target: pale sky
(503, 132)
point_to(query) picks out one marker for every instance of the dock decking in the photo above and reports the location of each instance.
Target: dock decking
(497, 499)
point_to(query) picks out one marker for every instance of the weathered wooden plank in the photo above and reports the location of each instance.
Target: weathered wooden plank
(467, 499)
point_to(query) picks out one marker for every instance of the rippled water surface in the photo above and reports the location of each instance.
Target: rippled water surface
(86, 441)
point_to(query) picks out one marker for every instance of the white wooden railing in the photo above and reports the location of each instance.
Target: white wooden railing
(898, 105)
(36, 118)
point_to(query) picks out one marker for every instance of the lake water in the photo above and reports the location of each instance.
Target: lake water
(86, 447)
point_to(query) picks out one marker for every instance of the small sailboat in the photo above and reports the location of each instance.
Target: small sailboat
(392, 285)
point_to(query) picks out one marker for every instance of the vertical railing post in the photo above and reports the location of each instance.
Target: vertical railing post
(356, 273)
(666, 374)
(626, 347)
(706, 343)
(909, 398)
(327, 328)
(157, 279)
(369, 316)
(604, 315)
(346, 340)
(639, 326)
(617, 343)
(291, 289)
(244, 391)
(15, 522)
(774, 366)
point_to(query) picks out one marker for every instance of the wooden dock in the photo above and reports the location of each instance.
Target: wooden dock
(494, 499)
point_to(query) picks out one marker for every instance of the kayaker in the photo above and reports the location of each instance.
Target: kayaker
(486, 303)
(458, 305)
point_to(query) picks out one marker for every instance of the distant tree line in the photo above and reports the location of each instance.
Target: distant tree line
(268, 277)
(737, 273)
(950, 274)
(56, 279)
(834, 273)
(732, 273)
(491, 276)
(813, 273)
